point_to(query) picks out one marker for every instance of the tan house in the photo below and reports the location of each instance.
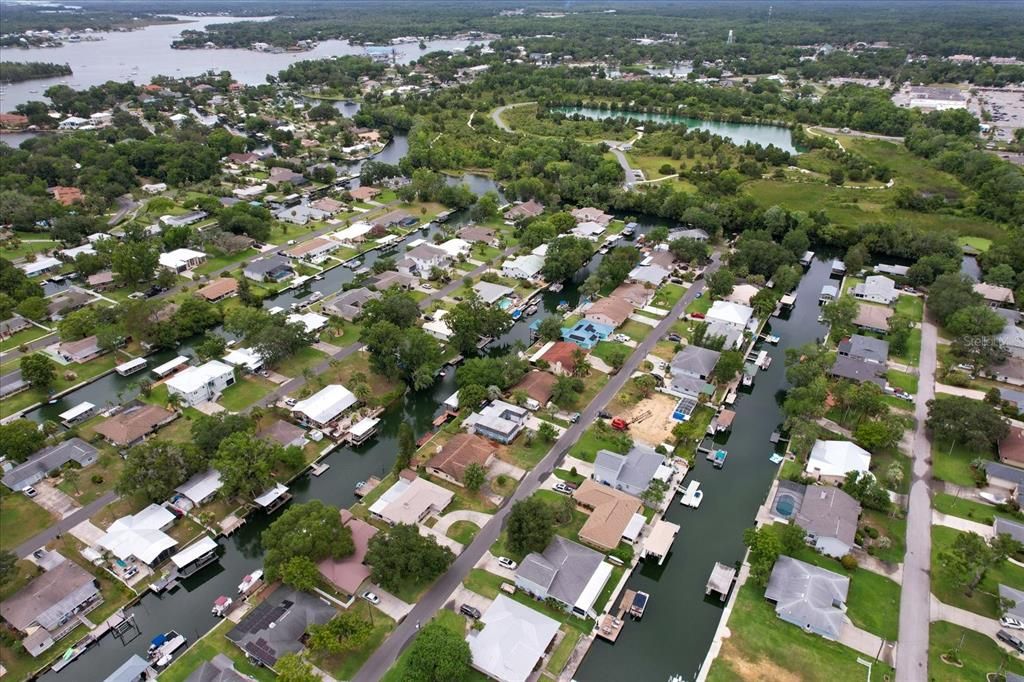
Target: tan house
(637, 295)
(611, 511)
(134, 424)
(483, 235)
(592, 215)
(538, 386)
(364, 193)
(995, 296)
(528, 209)
(219, 289)
(455, 456)
(610, 310)
(410, 500)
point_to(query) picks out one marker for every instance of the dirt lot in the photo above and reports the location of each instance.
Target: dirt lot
(657, 428)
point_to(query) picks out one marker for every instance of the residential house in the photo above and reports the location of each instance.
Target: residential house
(894, 270)
(391, 218)
(650, 274)
(300, 214)
(512, 642)
(590, 231)
(866, 348)
(273, 268)
(200, 384)
(479, 235)
(526, 267)
(567, 572)
(141, 536)
(67, 301)
(742, 294)
(198, 490)
(492, 293)
(41, 265)
(730, 314)
(538, 387)
(101, 281)
(631, 473)
(637, 295)
(872, 318)
(528, 209)
(38, 465)
(354, 234)
(348, 573)
(499, 421)
(328, 205)
(591, 214)
(438, 327)
(324, 407)
(812, 598)
(1011, 448)
(422, 259)
(180, 260)
(827, 514)
(410, 500)
(133, 424)
(313, 250)
(246, 358)
(80, 351)
(456, 248)
(190, 218)
(876, 289)
(1014, 599)
(313, 322)
(279, 175)
(66, 196)
(694, 362)
(561, 356)
(611, 513)
(831, 460)
(693, 233)
(1014, 529)
(455, 456)
(13, 325)
(610, 311)
(348, 305)
(364, 193)
(48, 608)
(995, 296)
(219, 289)
(1012, 337)
(279, 625)
(283, 433)
(71, 254)
(243, 159)
(386, 280)
(858, 370)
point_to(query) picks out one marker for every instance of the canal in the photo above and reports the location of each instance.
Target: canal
(679, 624)
(739, 133)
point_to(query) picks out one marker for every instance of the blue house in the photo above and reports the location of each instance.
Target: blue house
(586, 333)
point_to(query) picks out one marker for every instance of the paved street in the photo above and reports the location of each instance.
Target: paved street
(62, 526)
(915, 599)
(437, 596)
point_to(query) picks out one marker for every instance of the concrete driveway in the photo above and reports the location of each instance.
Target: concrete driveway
(464, 595)
(445, 522)
(501, 467)
(50, 559)
(441, 538)
(53, 500)
(489, 563)
(389, 603)
(88, 533)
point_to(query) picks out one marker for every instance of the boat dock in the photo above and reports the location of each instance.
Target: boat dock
(609, 626)
(721, 581)
(319, 468)
(367, 487)
(445, 417)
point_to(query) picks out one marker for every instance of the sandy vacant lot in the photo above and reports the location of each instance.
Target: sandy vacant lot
(657, 428)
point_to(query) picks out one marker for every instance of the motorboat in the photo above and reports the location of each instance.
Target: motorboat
(250, 581)
(691, 495)
(221, 606)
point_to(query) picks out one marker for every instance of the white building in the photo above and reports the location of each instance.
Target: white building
(353, 234)
(523, 267)
(730, 314)
(40, 265)
(244, 357)
(876, 289)
(180, 260)
(313, 322)
(513, 640)
(589, 230)
(456, 247)
(831, 460)
(203, 383)
(324, 406)
(437, 327)
(141, 536)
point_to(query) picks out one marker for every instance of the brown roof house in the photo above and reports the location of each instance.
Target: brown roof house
(134, 424)
(611, 511)
(65, 196)
(610, 310)
(561, 357)
(348, 574)
(476, 234)
(591, 214)
(455, 456)
(1011, 448)
(873, 318)
(364, 193)
(538, 386)
(219, 289)
(82, 350)
(528, 209)
(283, 433)
(637, 295)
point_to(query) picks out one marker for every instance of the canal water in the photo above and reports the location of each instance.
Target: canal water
(739, 133)
(679, 623)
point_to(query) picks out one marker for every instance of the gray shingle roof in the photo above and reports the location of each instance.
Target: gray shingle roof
(828, 512)
(635, 469)
(275, 627)
(695, 361)
(1015, 596)
(808, 596)
(858, 370)
(1012, 528)
(48, 459)
(1007, 473)
(865, 348)
(48, 598)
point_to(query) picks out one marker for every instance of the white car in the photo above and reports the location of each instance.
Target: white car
(1011, 622)
(290, 402)
(507, 563)
(371, 597)
(561, 487)
(29, 491)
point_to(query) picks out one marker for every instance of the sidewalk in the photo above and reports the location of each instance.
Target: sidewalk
(62, 526)
(940, 519)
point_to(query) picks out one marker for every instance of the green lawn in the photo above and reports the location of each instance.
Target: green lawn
(305, 358)
(560, 656)
(971, 510)
(984, 600)
(24, 336)
(668, 294)
(613, 581)
(912, 354)
(953, 463)
(979, 655)
(78, 373)
(526, 455)
(980, 243)
(489, 585)
(883, 459)
(20, 519)
(700, 305)
(344, 666)
(762, 647)
(638, 331)
(908, 382)
(206, 649)
(599, 438)
(910, 306)
(452, 621)
(463, 532)
(214, 263)
(244, 393)
(893, 528)
(108, 467)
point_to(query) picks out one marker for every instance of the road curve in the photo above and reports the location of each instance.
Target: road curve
(499, 121)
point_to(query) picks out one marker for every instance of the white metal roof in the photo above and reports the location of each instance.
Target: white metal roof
(245, 357)
(40, 264)
(179, 257)
(76, 411)
(201, 486)
(326, 404)
(194, 378)
(597, 581)
(312, 321)
(634, 527)
(197, 549)
(169, 366)
(139, 535)
(364, 426)
(267, 498)
(132, 364)
(837, 458)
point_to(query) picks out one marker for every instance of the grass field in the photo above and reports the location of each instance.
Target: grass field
(908, 382)
(24, 336)
(911, 306)
(244, 393)
(952, 463)
(976, 242)
(345, 665)
(20, 519)
(984, 599)
(594, 439)
(912, 355)
(893, 528)
(451, 621)
(463, 532)
(80, 373)
(306, 358)
(979, 655)
(971, 510)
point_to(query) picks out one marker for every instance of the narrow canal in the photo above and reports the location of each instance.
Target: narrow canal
(679, 624)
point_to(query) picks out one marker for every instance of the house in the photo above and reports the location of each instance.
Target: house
(588, 230)
(742, 294)
(438, 328)
(1007, 527)
(47, 609)
(141, 536)
(995, 296)
(894, 270)
(348, 573)
(190, 218)
(219, 289)
(561, 356)
(355, 233)
(733, 315)
(40, 265)
(611, 512)
(243, 159)
(694, 234)
(279, 175)
(410, 500)
(637, 295)
(538, 387)
(66, 196)
(479, 235)
(876, 289)
(101, 281)
(279, 625)
(386, 280)
(37, 466)
(1011, 336)
(872, 318)
(866, 348)
(526, 267)
(13, 325)
(313, 250)
(456, 247)
(80, 351)
(858, 370)
(391, 218)
(364, 193)
(245, 358)
(812, 598)
(300, 214)
(422, 259)
(283, 433)
(324, 407)
(1006, 477)
(71, 254)
(528, 209)
(499, 421)
(694, 362)
(313, 322)
(327, 205)
(1015, 601)
(492, 293)
(455, 456)
(591, 214)
(831, 460)
(200, 384)
(512, 642)
(348, 305)
(827, 514)
(273, 268)
(648, 274)
(66, 301)
(631, 473)
(566, 571)
(180, 260)
(199, 489)
(610, 311)
(1011, 448)
(133, 424)
(220, 668)
(829, 293)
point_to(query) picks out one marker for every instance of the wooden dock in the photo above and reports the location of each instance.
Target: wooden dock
(367, 487)
(609, 626)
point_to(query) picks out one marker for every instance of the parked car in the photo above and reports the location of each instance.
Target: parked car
(371, 597)
(699, 294)
(697, 316)
(290, 402)
(39, 553)
(622, 338)
(1011, 622)
(604, 414)
(574, 417)
(470, 611)
(561, 487)
(137, 295)
(29, 491)
(507, 563)
(131, 572)
(1011, 639)
(674, 337)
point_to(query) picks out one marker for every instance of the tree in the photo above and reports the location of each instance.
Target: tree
(547, 432)
(654, 494)
(950, 293)
(550, 328)
(346, 631)
(839, 316)
(38, 370)
(894, 474)
(474, 477)
(402, 556)
(504, 371)
(688, 250)
(975, 320)
(154, 468)
(530, 526)
(208, 431)
(244, 218)
(406, 446)
(566, 255)
(645, 385)
(615, 355)
(879, 434)
(409, 354)
(34, 308)
(133, 262)
(472, 319)
(301, 573)
(471, 396)
(866, 489)
(485, 208)
(8, 566)
(245, 464)
(791, 537)
(566, 391)
(765, 547)
(764, 302)
(730, 363)
(294, 668)
(395, 306)
(312, 530)
(19, 439)
(71, 477)
(900, 328)
(960, 420)
(720, 283)
(965, 563)
(212, 346)
(438, 654)
(980, 352)
(78, 324)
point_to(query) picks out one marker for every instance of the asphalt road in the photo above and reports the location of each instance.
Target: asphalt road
(62, 526)
(499, 121)
(915, 598)
(436, 597)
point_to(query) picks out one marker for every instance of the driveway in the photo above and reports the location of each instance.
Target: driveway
(62, 526)
(866, 643)
(389, 603)
(940, 519)
(966, 619)
(502, 468)
(445, 522)
(88, 533)
(54, 500)
(441, 538)
(489, 563)
(464, 595)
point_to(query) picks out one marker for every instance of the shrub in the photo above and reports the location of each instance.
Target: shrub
(849, 562)
(96, 479)
(871, 531)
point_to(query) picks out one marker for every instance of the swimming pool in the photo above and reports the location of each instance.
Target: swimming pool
(504, 304)
(785, 505)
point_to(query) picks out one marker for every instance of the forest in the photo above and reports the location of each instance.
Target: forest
(15, 72)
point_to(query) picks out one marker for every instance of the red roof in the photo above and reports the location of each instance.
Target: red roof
(561, 353)
(66, 195)
(1011, 448)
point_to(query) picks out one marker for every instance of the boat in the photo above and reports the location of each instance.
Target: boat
(772, 339)
(165, 643)
(717, 458)
(776, 458)
(691, 496)
(353, 264)
(360, 484)
(131, 367)
(221, 606)
(556, 287)
(628, 231)
(166, 651)
(639, 605)
(562, 306)
(317, 295)
(517, 313)
(249, 581)
(318, 277)
(319, 468)
(748, 380)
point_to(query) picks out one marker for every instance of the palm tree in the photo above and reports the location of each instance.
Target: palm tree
(174, 401)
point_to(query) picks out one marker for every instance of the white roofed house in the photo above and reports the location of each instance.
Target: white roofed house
(314, 250)
(456, 247)
(180, 260)
(491, 293)
(422, 259)
(876, 289)
(513, 642)
(313, 322)
(410, 500)
(831, 460)
(526, 267)
(499, 421)
(589, 230)
(732, 314)
(141, 536)
(200, 384)
(198, 490)
(40, 265)
(324, 407)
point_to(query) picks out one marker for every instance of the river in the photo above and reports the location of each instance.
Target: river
(739, 133)
(679, 624)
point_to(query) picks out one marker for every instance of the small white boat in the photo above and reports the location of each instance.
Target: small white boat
(221, 606)
(317, 295)
(772, 339)
(748, 380)
(250, 581)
